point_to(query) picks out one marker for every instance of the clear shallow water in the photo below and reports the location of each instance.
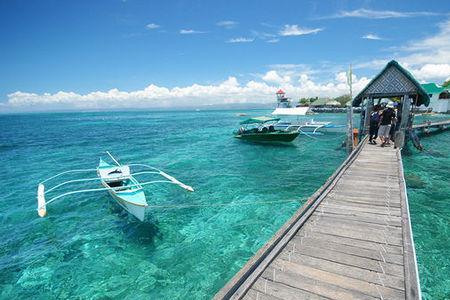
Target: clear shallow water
(90, 248)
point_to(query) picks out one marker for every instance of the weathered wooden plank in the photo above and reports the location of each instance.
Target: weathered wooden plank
(368, 189)
(348, 283)
(374, 254)
(253, 294)
(282, 291)
(348, 259)
(343, 211)
(382, 181)
(313, 286)
(390, 211)
(378, 233)
(365, 178)
(343, 214)
(352, 222)
(366, 171)
(355, 234)
(336, 198)
(353, 190)
(342, 269)
(355, 242)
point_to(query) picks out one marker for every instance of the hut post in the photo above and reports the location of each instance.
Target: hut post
(363, 116)
(369, 107)
(405, 120)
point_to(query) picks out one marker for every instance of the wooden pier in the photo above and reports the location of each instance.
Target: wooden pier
(352, 239)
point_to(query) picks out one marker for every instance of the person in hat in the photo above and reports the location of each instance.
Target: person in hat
(386, 119)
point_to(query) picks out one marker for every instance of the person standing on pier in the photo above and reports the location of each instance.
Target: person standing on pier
(386, 119)
(374, 124)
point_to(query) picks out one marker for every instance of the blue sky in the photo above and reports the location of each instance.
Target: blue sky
(101, 54)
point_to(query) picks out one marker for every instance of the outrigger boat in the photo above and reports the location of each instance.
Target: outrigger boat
(262, 129)
(117, 179)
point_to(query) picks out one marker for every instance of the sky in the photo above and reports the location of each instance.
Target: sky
(142, 54)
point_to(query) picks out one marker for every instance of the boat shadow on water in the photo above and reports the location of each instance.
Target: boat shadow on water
(141, 233)
(269, 144)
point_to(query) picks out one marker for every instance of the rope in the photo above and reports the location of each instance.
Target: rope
(181, 206)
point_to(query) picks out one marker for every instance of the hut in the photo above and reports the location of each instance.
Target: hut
(439, 97)
(393, 82)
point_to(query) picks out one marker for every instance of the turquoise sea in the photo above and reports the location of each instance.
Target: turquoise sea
(89, 248)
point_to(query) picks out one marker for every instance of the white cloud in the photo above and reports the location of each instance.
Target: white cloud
(432, 71)
(152, 26)
(190, 31)
(273, 41)
(227, 24)
(240, 40)
(273, 77)
(379, 14)
(294, 30)
(371, 36)
(228, 91)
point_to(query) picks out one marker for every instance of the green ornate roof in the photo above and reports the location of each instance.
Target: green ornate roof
(393, 81)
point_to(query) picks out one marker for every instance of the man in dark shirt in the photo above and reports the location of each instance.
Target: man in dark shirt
(386, 119)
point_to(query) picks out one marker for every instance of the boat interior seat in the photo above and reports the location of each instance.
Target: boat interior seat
(114, 184)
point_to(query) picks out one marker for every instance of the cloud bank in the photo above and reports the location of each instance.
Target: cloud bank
(196, 95)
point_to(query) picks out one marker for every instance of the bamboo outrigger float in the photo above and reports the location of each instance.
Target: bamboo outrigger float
(115, 178)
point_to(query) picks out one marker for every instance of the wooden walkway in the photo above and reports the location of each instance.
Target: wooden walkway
(351, 240)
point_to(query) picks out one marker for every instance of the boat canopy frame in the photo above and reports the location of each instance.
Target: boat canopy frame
(259, 120)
